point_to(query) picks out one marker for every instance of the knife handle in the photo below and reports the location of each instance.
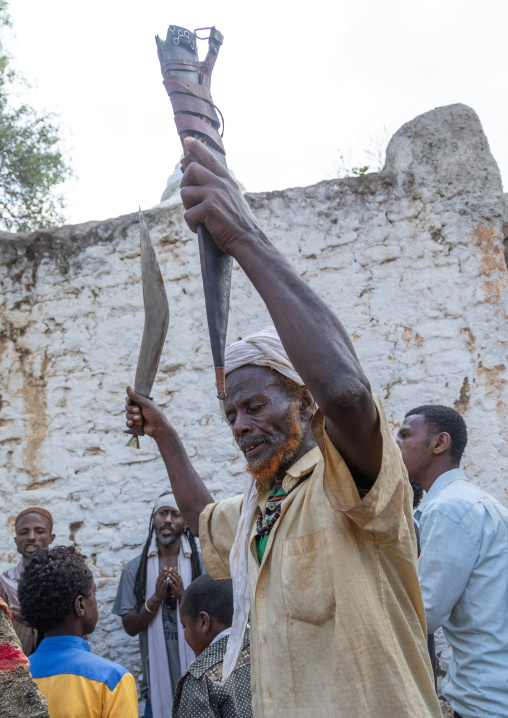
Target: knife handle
(135, 430)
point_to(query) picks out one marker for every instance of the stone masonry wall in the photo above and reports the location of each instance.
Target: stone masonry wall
(411, 259)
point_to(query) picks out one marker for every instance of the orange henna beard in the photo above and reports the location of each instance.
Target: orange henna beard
(266, 472)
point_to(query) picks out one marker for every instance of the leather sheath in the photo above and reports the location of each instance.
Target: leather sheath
(187, 82)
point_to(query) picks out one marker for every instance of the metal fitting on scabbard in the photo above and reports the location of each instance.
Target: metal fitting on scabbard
(220, 381)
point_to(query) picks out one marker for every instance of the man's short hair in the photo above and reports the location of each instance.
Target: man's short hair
(212, 597)
(440, 418)
(50, 584)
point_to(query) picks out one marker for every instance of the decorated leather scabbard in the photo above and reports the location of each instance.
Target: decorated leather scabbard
(187, 82)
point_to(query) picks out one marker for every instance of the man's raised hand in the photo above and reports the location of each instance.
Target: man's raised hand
(212, 197)
(140, 410)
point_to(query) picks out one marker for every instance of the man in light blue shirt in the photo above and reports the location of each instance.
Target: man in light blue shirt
(463, 564)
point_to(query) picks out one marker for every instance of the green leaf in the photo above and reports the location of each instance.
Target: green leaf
(360, 171)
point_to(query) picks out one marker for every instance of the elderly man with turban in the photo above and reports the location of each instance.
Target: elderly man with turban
(33, 529)
(320, 546)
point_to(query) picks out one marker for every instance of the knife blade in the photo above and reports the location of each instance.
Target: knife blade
(156, 323)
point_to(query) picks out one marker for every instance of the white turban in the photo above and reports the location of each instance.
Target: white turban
(165, 499)
(261, 349)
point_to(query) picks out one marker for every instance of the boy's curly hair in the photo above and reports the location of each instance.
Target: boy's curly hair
(51, 582)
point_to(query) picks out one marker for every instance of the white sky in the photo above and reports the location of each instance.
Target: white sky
(298, 84)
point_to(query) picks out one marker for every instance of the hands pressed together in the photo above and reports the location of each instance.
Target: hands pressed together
(174, 585)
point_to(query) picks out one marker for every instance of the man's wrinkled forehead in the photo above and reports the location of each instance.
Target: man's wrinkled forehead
(249, 379)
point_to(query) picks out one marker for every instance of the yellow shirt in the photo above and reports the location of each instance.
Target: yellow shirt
(337, 618)
(79, 684)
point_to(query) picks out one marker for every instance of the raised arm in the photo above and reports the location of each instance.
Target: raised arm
(314, 338)
(190, 492)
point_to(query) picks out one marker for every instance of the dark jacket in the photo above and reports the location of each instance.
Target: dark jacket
(200, 692)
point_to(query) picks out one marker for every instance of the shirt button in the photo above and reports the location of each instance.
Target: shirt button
(263, 593)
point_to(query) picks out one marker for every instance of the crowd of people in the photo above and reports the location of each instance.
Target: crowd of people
(317, 590)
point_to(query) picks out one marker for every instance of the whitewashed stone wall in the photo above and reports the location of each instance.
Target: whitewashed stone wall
(411, 259)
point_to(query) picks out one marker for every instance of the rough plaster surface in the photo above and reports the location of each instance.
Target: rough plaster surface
(411, 259)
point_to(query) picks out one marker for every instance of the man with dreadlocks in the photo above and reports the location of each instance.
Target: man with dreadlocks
(321, 545)
(147, 600)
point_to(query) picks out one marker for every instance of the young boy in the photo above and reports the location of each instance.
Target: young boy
(206, 613)
(57, 595)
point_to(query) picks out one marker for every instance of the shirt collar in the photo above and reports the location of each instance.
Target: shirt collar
(439, 484)
(301, 467)
(57, 643)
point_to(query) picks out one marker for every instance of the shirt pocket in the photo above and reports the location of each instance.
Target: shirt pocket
(307, 578)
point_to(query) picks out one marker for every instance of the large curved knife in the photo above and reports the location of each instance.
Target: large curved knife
(156, 323)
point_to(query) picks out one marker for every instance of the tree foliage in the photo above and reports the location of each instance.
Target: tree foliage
(32, 166)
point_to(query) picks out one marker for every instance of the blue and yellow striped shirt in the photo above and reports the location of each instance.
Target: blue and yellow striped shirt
(80, 684)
